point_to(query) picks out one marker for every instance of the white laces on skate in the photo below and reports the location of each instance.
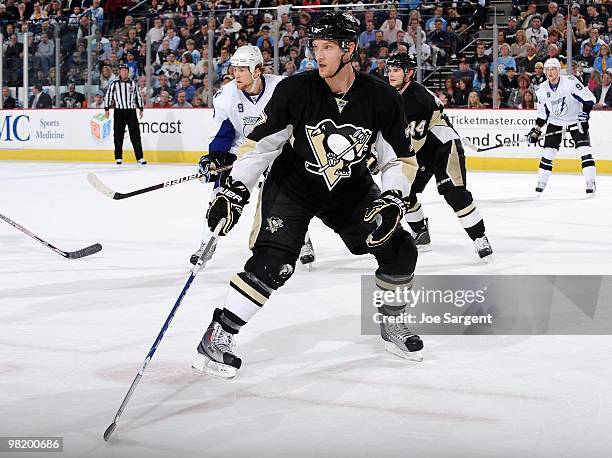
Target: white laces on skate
(223, 340)
(482, 243)
(399, 330)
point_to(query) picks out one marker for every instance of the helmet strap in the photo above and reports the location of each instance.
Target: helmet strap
(344, 47)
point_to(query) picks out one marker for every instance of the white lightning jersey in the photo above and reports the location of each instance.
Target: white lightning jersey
(561, 106)
(236, 112)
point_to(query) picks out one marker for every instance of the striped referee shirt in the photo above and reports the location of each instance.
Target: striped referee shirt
(123, 95)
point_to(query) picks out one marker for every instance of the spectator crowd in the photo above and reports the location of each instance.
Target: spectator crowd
(116, 32)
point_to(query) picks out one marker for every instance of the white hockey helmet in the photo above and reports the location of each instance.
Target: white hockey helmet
(247, 56)
(552, 63)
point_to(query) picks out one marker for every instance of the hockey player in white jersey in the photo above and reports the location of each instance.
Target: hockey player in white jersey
(564, 103)
(237, 106)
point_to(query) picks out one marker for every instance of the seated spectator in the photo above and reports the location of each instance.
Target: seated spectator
(527, 64)
(163, 101)
(187, 66)
(464, 72)
(161, 84)
(536, 33)
(449, 88)
(39, 99)
(606, 33)
(389, 30)
(197, 102)
(156, 32)
(268, 62)
(172, 68)
(511, 31)
(440, 43)
(290, 69)
(480, 56)
(456, 22)
(528, 101)
(380, 70)
(8, 102)
(603, 93)
(581, 32)
(264, 34)
(552, 18)
(72, 98)
(509, 80)
(173, 39)
(222, 63)
(594, 81)
(181, 101)
(392, 24)
(461, 94)
(594, 40)
(486, 95)
(519, 48)
(98, 101)
(537, 77)
(594, 18)
(553, 53)
(575, 14)
(430, 24)
(586, 60)
(444, 98)
(474, 100)
(378, 43)
(527, 15)
(186, 88)
(305, 62)
(133, 65)
(516, 94)
(400, 39)
(603, 63)
(481, 77)
(505, 60)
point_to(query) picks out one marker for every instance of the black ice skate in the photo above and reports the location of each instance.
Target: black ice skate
(307, 254)
(216, 351)
(540, 188)
(195, 257)
(142, 162)
(590, 189)
(400, 340)
(421, 237)
(483, 248)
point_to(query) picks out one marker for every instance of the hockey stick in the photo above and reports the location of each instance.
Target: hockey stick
(108, 192)
(91, 249)
(471, 146)
(194, 271)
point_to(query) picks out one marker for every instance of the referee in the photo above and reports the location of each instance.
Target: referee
(123, 94)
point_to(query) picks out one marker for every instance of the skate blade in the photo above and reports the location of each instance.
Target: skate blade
(590, 195)
(409, 355)
(487, 259)
(424, 248)
(307, 266)
(204, 365)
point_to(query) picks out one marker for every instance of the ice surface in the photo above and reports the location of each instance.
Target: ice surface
(74, 333)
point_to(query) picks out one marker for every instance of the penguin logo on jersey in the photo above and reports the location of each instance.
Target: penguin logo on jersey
(559, 107)
(336, 149)
(274, 224)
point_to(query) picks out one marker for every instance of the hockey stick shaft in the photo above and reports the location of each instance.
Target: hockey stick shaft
(194, 271)
(67, 254)
(471, 146)
(101, 187)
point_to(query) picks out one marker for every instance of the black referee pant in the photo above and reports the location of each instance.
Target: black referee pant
(127, 117)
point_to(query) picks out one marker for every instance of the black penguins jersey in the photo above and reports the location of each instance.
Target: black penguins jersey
(424, 114)
(319, 140)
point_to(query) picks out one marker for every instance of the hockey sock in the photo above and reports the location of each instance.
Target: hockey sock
(588, 164)
(245, 297)
(415, 217)
(546, 165)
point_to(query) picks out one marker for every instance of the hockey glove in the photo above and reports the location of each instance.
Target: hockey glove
(212, 161)
(388, 211)
(534, 134)
(228, 203)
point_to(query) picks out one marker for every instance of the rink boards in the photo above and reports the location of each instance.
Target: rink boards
(182, 135)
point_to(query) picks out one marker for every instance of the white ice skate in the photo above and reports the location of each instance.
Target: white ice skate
(540, 188)
(590, 189)
(483, 249)
(216, 351)
(401, 341)
(307, 254)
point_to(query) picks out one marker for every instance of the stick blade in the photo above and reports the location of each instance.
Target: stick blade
(101, 187)
(87, 251)
(109, 431)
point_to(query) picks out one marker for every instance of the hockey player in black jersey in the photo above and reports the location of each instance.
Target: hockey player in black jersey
(316, 131)
(439, 153)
